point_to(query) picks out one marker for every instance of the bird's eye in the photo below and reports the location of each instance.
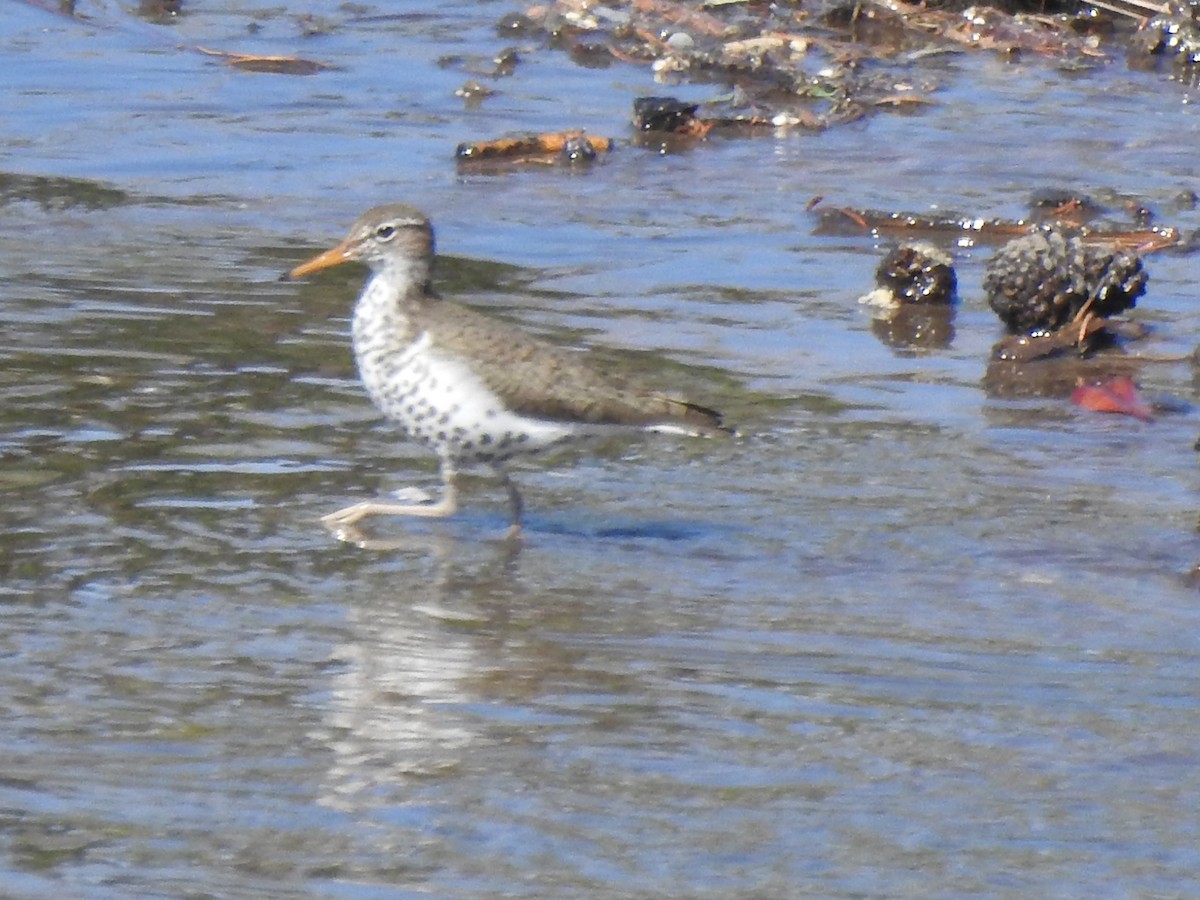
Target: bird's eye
(385, 232)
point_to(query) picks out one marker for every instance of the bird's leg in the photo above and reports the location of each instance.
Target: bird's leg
(516, 504)
(447, 506)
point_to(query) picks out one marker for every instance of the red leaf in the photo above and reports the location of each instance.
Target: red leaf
(1117, 395)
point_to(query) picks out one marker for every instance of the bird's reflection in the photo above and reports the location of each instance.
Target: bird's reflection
(609, 528)
(418, 638)
(444, 642)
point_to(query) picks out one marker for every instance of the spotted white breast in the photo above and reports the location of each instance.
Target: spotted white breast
(440, 402)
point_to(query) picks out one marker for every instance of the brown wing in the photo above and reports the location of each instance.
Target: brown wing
(539, 379)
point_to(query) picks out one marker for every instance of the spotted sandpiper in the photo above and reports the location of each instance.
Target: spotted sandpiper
(470, 387)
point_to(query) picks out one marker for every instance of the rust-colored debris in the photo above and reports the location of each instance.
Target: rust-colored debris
(1148, 240)
(275, 65)
(1116, 395)
(570, 146)
(846, 220)
(972, 230)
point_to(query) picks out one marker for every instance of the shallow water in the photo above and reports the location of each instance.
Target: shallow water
(901, 638)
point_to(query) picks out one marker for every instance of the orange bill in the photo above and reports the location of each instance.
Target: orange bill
(334, 256)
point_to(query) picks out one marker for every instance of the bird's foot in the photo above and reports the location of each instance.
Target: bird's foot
(347, 516)
(342, 523)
